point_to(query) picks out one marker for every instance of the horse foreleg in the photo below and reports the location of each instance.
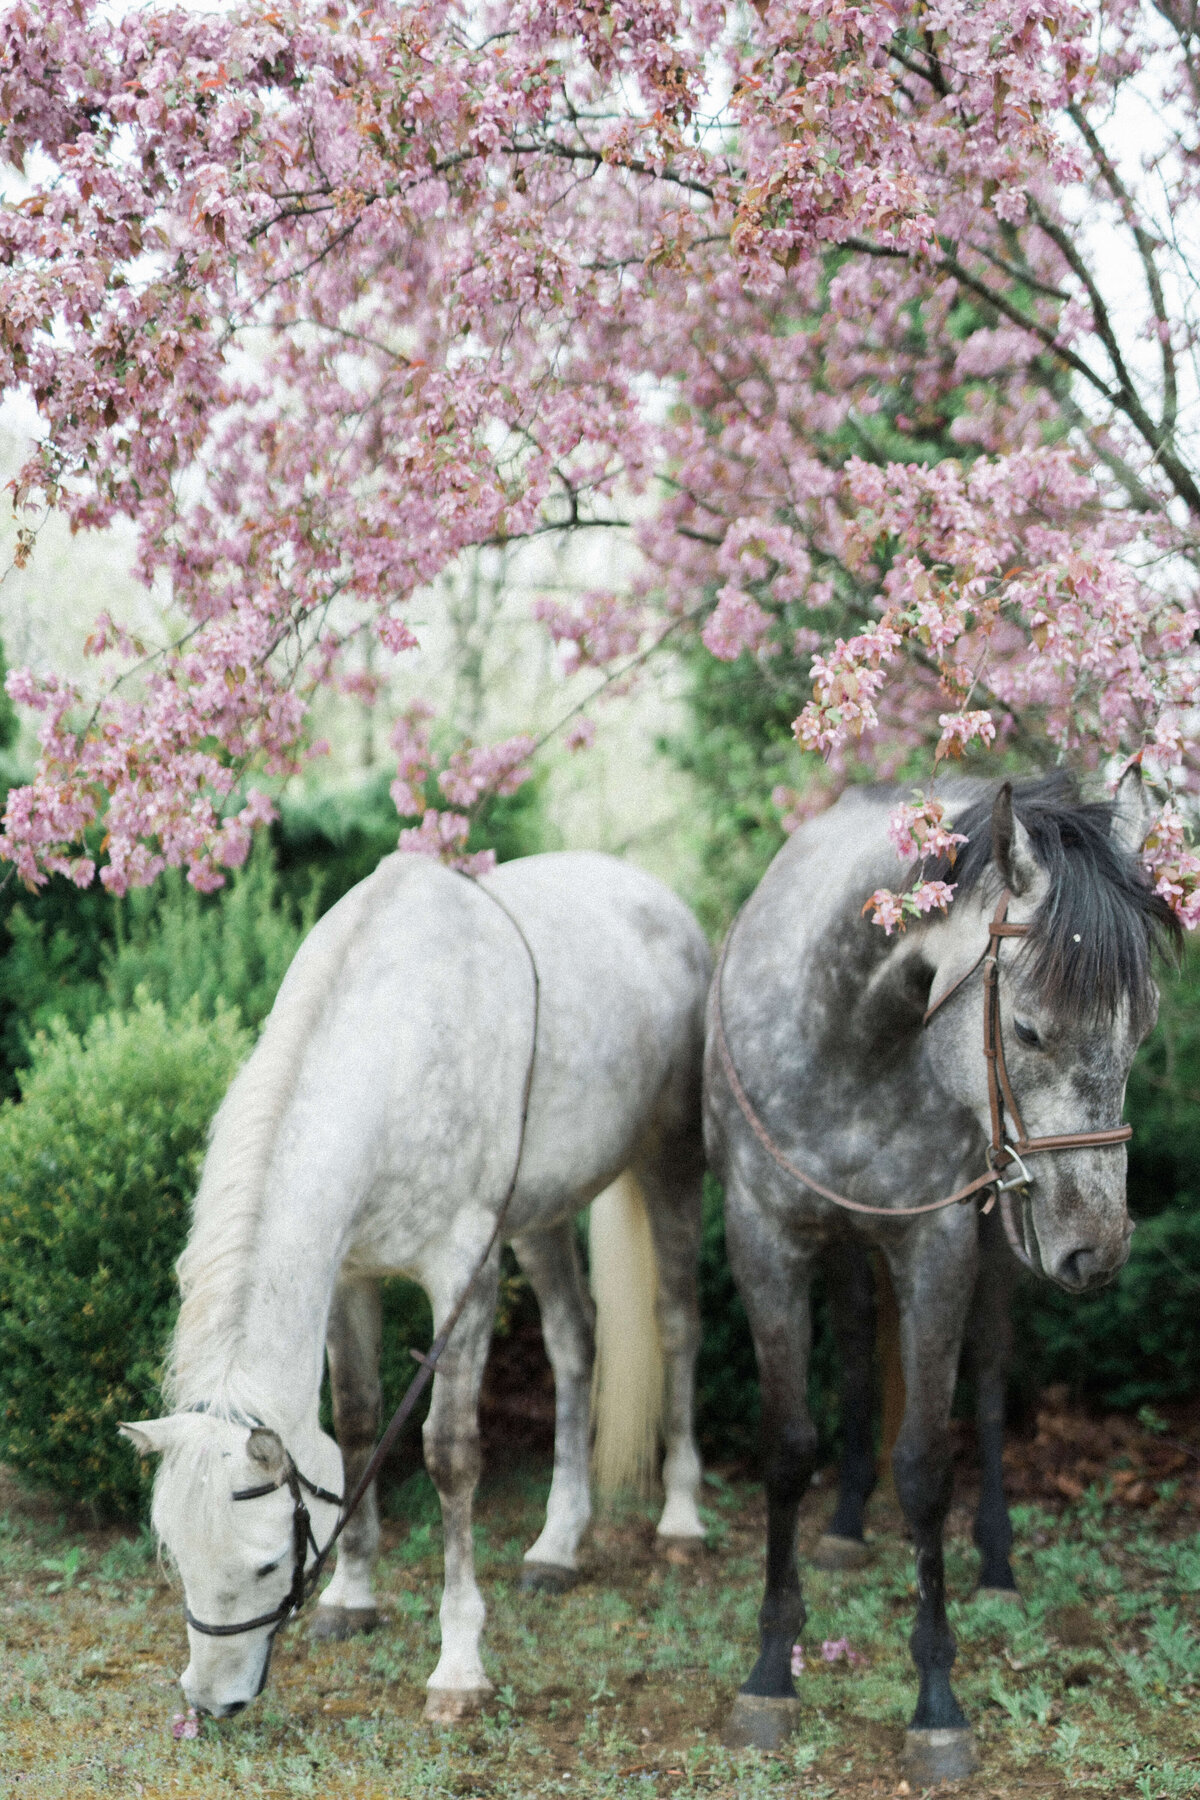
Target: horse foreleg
(458, 1685)
(990, 1336)
(773, 1279)
(352, 1342)
(933, 1278)
(551, 1261)
(851, 1291)
(672, 1181)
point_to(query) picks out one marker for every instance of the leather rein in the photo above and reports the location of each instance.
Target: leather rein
(1002, 1151)
(305, 1576)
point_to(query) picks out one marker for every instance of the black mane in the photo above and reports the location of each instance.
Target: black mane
(1094, 936)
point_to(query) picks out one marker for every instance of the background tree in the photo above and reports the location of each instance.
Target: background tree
(321, 300)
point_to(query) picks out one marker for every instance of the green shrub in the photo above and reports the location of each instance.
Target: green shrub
(1164, 1092)
(1134, 1342)
(72, 956)
(51, 966)
(98, 1163)
(176, 947)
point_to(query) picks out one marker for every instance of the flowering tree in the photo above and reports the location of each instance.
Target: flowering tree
(322, 296)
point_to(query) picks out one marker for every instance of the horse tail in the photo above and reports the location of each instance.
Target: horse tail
(627, 1382)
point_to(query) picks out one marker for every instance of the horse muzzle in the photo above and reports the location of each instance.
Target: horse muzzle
(1091, 1265)
(205, 1696)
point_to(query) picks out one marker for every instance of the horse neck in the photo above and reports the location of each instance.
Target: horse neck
(264, 1360)
(279, 1358)
(258, 1271)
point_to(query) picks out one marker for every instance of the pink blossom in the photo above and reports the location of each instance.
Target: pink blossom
(960, 729)
(931, 894)
(443, 836)
(920, 830)
(185, 1725)
(738, 623)
(580, 734)
(410, 740)
(886, 908)
(507, 285)
(488, 769)
(395, 635)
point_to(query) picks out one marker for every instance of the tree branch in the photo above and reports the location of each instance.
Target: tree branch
(1145, 245)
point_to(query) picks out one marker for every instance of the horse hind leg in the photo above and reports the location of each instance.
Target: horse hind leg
(458, 1685)
(347, 1605)
(773, 1278)
(851, 1291)
(551, 1261)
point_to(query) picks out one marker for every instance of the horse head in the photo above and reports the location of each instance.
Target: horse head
(226, 1510)
(1074, 998)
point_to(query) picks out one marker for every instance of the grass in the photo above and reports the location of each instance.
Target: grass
(621, 1686)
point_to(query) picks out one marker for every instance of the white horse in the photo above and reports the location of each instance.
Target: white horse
(374, 1131)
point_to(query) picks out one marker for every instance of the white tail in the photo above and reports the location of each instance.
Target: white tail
(627, 1383)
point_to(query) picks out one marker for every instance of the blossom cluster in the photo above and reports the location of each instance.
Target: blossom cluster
(321, 298)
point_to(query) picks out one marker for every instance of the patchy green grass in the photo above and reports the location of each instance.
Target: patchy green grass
(620, 1687)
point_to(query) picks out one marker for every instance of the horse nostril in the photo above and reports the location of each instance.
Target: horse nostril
(235, 1707)
(1088, 1268)
(1078, 1269)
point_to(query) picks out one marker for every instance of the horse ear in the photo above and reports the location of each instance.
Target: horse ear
(1133, 811)
(265, 1447)
(150, 1437)
(1012, 851)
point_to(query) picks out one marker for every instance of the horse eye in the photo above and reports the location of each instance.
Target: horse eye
(267, 1569)
(1027, 1035)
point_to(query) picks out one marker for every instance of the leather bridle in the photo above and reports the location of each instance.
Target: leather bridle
(1002, 1152)
(303, 1540)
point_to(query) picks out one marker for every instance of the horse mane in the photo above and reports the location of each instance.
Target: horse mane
(1093, 939)
(214, 1267)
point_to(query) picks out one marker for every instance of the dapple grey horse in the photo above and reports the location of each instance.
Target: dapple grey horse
(375, 1129)
(818, 1019)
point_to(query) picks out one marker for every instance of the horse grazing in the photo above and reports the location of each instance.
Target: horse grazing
(376, 1129)
(850, 1076)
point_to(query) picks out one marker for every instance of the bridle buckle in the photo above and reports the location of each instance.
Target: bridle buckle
(1023, 1179)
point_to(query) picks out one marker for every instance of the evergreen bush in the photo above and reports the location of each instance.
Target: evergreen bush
(176, 946)
(98, 1163)
(1134, 1342)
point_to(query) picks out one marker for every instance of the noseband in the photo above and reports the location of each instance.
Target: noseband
(303, 1541)
(1002, 1151)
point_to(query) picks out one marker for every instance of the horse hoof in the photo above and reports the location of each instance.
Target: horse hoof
(939, 1755)
(1010, 1595)
(334, 1624)
(761, 1722)
(679, 1550)
(840, 1553)
(447, 1706)
(546, 1578)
